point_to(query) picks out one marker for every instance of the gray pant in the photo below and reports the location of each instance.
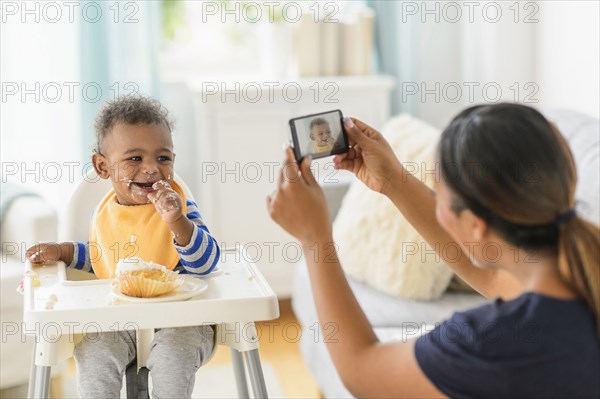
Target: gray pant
(175, 356)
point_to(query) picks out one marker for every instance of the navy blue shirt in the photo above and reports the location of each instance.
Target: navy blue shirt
(534, 346)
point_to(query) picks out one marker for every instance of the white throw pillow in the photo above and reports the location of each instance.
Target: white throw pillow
(376, 244)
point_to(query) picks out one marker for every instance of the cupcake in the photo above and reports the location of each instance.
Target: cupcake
(141, 279)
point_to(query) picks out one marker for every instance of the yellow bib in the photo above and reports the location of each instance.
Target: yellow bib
(317, 148)
(123, 231)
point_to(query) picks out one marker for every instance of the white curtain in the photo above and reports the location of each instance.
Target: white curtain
(447, 55)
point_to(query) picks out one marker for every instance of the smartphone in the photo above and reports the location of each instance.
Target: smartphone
(319, 135)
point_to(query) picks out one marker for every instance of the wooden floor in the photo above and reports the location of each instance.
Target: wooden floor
(279, 346)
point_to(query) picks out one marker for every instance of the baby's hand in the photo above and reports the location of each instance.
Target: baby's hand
(166, 201)
(46, 252)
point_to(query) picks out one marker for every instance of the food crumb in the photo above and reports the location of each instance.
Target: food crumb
(250, 278)
(52, 299)
(35, 281)
(112, 300)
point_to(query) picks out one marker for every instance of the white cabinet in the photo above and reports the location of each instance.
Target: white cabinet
(241, 128)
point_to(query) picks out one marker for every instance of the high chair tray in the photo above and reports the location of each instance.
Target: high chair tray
(237, 293)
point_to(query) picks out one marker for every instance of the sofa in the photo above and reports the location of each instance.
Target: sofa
(394, 318)
(27, 220)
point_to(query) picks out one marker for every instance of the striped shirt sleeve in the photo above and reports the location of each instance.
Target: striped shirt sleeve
(81, 257)
(202, 253)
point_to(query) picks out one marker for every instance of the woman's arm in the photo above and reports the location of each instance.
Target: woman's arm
(367, 367)
(373, 161)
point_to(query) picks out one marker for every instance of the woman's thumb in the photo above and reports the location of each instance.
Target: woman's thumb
(353, 131)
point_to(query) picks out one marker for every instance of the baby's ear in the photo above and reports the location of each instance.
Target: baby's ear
(100, 165)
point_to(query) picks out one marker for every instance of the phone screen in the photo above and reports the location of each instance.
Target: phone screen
(318, 135)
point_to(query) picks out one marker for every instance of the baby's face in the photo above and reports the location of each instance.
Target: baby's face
(321, 134)
(135, 157)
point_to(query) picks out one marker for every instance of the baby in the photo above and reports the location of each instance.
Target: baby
(145, 215)
(320, 135)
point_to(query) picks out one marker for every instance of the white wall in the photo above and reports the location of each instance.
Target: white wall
(568, 55)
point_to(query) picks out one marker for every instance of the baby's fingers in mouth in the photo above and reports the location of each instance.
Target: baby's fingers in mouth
(161, 184)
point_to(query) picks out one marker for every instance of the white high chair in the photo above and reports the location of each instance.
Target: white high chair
(236, 297)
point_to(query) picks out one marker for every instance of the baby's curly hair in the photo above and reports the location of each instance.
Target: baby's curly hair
(132, 110)
(317, 122)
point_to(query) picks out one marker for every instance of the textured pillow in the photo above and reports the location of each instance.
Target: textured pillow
(376, 244)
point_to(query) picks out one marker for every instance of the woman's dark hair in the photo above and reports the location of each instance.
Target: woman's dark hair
(132, 110)
(511, 167)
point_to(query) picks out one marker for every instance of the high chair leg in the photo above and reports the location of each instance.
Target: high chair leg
(32, 373)
(256, 375)
(143, 343)
(39, 379)
(240, 373)
(42, 382)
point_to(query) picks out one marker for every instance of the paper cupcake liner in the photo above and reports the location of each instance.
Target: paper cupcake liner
(145, 285)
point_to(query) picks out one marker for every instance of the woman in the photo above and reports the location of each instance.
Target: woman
(506, 196)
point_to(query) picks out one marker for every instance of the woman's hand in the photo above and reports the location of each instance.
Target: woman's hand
(370, 158)
(298, 205)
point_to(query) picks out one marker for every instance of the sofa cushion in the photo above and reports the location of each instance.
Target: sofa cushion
(383, 310)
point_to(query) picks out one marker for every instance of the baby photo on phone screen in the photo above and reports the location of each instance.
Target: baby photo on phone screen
(320, 135)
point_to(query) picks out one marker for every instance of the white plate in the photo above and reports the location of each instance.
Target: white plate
(192, 286)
